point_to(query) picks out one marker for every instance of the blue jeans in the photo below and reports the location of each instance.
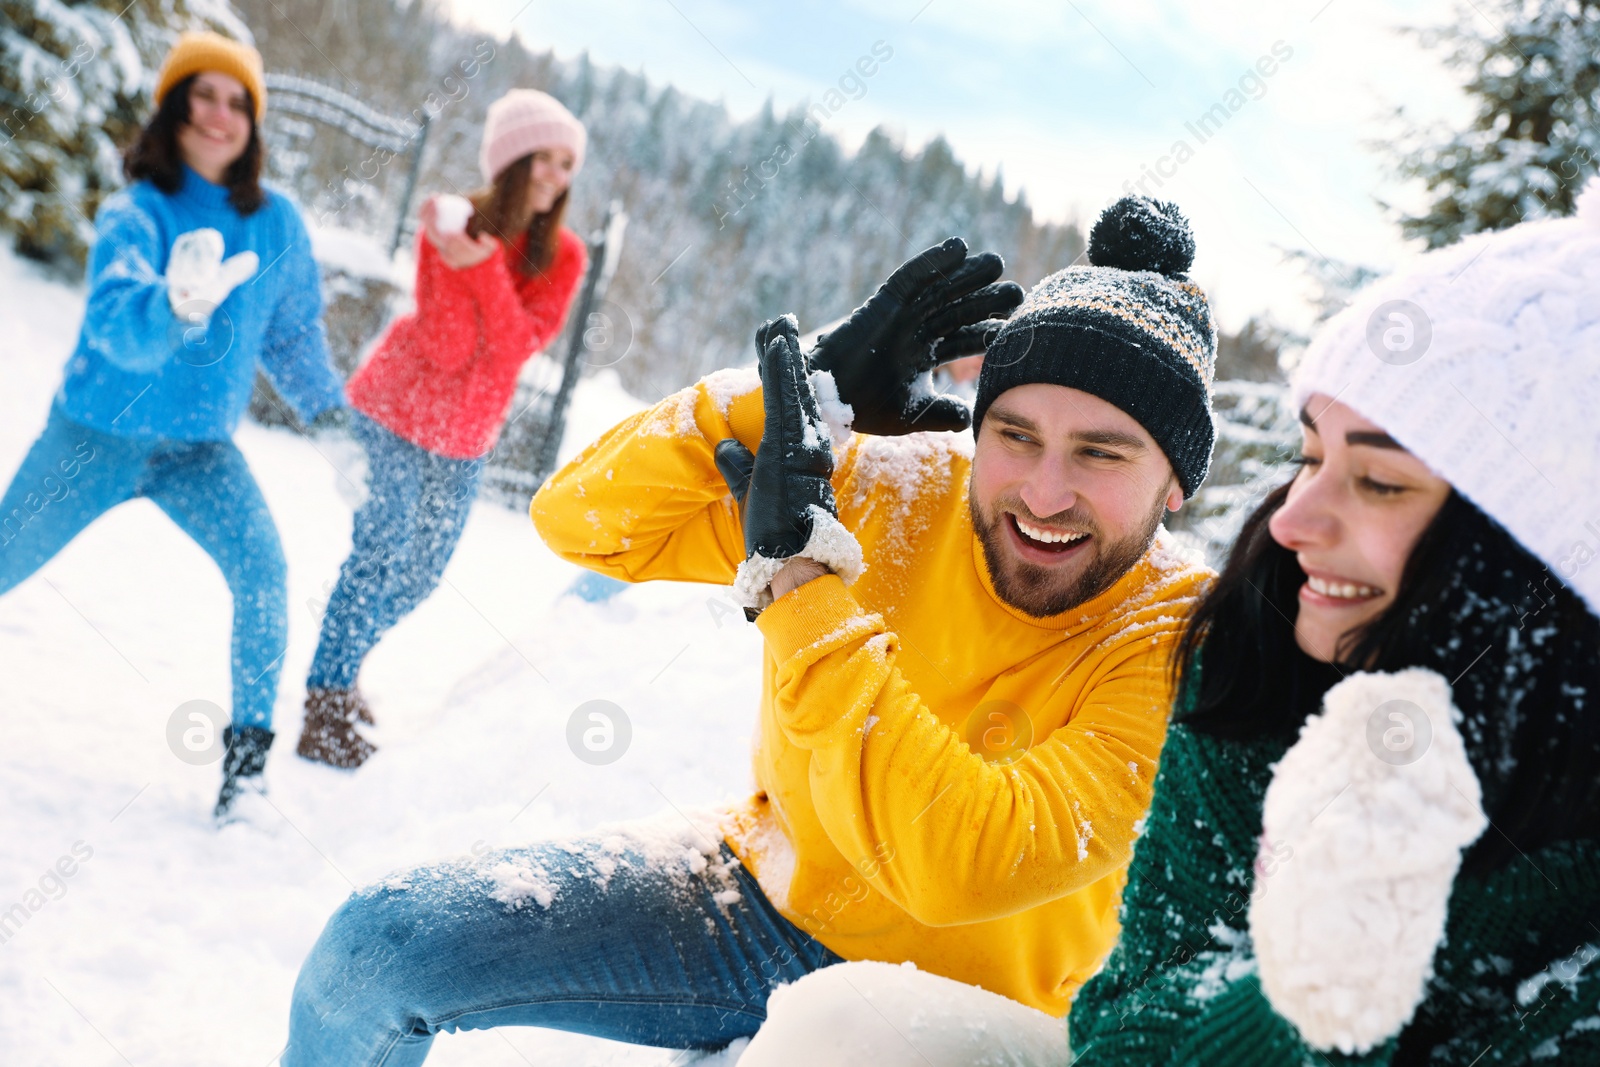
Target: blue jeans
(615, 935)
(72, 475)
(404, 535)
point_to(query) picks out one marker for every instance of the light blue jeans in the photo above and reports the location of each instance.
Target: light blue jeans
(616, 935)
(72, 475)
(403, 537)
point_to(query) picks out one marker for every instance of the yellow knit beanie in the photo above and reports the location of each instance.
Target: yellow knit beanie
(198, 51)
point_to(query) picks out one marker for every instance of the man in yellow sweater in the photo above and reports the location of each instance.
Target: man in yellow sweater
(965, 689)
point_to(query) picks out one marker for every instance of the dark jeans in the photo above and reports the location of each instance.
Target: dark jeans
(404, 535)
(628, 935)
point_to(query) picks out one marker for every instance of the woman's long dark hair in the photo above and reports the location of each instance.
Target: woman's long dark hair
(495, 212)
(154, 154)
(1520, 650)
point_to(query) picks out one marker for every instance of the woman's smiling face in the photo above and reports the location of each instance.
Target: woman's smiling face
(1352, 517)
(220, 120)
(549, 175)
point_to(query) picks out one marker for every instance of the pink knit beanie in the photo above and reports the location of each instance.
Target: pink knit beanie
(524, 121)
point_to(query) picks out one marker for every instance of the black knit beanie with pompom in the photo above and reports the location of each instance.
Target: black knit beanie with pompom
(1131, 329)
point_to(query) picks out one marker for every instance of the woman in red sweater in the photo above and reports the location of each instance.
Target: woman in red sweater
(429, 403)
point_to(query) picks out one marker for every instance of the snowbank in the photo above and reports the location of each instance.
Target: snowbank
(880, 1015)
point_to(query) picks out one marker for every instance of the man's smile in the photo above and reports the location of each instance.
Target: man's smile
(1045, 545)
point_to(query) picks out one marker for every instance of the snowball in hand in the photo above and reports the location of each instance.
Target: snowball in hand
(451, 213)
(1345, 931)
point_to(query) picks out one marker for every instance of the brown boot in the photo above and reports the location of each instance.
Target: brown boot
(329, 735)
(363, 709)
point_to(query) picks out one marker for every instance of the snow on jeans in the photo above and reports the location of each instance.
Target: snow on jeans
(72, 475)
(626, 934)
(404, 535)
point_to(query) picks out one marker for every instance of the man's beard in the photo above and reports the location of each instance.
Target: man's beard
(1041, 591)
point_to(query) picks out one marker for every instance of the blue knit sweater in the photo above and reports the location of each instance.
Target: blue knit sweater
(139, 372)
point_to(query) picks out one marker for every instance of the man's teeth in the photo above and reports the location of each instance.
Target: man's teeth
(1340, 590)
(1049, 536)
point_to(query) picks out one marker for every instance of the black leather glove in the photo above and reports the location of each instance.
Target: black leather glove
(785, 488)
(735, 463)
(936, 307)
(792, 467)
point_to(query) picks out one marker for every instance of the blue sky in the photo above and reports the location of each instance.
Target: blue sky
(1071, 99)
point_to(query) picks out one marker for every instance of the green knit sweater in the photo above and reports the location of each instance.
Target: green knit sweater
(1517, 978)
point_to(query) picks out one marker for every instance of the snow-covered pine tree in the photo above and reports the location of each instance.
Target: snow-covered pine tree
(1532, 70)
(75, 81)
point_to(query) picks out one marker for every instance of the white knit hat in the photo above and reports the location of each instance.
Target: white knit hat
(524, 121)
(1483, 360)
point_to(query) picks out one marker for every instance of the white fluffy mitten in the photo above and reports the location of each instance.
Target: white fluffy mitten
(1376, 800)
(198, 278)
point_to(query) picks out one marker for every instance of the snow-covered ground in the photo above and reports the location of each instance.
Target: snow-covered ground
(175, 944)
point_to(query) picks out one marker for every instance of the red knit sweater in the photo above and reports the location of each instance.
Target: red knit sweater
(444, 375)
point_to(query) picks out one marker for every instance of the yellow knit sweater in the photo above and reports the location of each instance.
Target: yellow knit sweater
(877, 828)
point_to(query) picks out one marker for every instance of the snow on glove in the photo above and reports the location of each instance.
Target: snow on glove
(788, 508)
(198, 278)
(1376, 800)
(936, 307)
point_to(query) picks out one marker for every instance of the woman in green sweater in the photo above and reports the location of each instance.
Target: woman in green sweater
(1375, 837)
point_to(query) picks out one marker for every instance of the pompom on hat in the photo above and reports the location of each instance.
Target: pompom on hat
(198, 51)
(1483, 360)
(1131, 329)
(524, 121)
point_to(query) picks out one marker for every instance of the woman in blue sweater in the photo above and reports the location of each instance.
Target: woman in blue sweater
(197, 277)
